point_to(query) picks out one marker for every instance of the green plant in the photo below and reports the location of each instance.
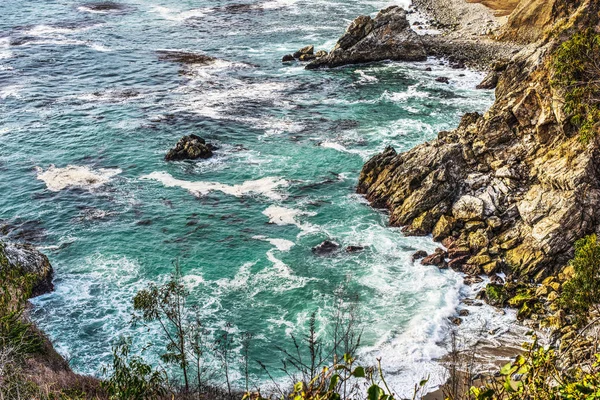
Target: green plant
(131, 378)
(576, 66)
(583, 291)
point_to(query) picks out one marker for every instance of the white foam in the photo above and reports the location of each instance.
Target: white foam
(178, 15)
(265, 186)
(280, 244)
(10, 91)
(275, 4)
(5, 49)
(287, 216)
(57, 179)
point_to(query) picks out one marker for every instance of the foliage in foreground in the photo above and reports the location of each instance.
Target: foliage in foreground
(576, 67)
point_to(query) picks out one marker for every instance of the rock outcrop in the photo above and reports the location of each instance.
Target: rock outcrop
(25, 259)
(386, 37)
(190, 147)
(509, 190)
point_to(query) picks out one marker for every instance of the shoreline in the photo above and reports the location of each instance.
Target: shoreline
(468, 33)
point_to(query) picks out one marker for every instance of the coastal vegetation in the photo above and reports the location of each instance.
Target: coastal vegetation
(576, 67)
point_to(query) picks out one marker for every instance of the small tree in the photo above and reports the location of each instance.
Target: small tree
(167, 305)
(583, 291)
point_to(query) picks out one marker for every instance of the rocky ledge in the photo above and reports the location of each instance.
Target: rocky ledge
(511, 190)
(25, 259)
(386, 37)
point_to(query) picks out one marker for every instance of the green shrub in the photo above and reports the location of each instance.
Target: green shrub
(583, 291)
(576, 66)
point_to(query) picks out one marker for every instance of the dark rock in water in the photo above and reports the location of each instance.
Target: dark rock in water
(428, 69)
(442, 79)
(190, 147)
(105, 6)
(471, 280)
(241, 8)
(490, 81)
(25, 259)
(418, 255)
(288, 58)
(387, 37)
(455, 320)
(464, 313)
(321, 53)
(307, 57)
(325, 248)
(438, 258)
(308, 50)
(184, 57)
(354, 249)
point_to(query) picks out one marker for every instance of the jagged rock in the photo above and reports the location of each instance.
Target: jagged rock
(354, 249)
(321, 53)
(25, 259)
(464, 313)
(325, 248)
(288, 58)
(455, 320)
(490, 81)
(437, 258)
(386, 37)
(190, 147)
(520, 169)
(442, 79)
(472, 280)
(443, 228)
(419, 255)
(308, 50)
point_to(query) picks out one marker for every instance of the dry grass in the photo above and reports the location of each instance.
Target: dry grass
(501, 7)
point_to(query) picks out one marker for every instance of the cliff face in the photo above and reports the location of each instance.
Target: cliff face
(512, 189)
(26, 259)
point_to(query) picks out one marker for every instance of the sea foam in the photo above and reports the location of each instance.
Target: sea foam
(265, 186)
(57, 179)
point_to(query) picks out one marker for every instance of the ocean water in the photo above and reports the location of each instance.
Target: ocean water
(88, 110)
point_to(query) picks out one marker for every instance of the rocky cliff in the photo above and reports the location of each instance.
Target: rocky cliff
(511, 190)
(26, 259)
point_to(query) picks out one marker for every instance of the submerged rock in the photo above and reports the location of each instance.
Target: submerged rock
(184, 57)
(354, 249)
(325, 248)
(25, 259)
(386, 37)
(105, 6)
(190, 147)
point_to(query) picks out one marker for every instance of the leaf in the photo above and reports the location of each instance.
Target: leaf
(374, 392)
(505, 370)
(359, 372)
(298, 387)
(333, 382)
(423, 382)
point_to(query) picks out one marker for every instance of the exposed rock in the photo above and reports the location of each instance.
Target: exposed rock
(325, 248)
(308, 50)
(25, 259)
(490, 81)
(105, 6)
(321, 53)
(442, 79)
(190, 147)
(517, 181)
(288, 58)
(419, 255)
(437, 258)
(354, 249)
(184, 57)
(386, 37)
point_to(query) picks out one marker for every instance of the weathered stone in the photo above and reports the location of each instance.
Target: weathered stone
(325, 248)
(25, 259)
(468, 208)
(471, 269)
(490, 81)
(480, 260)
(321, 53)
(495, 294)
(472, 279)
(190, 148)
(419, 255)
(443, 228)
(552, 296)
(386, 37)
(457, 263)
(288, 58)
(437, 258)
(478, 240)
(308, 50)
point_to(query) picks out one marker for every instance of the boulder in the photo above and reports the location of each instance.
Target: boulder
(386, 37)
(442, 79)
(325, 248)
(419, 255)
(25, 259)
(185, 57)
(437, 258)
(288, 58)
(308, 50)
(190, 147)
(468, 208)
(354, 249)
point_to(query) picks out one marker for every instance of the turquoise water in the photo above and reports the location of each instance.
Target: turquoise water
(84, 95)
